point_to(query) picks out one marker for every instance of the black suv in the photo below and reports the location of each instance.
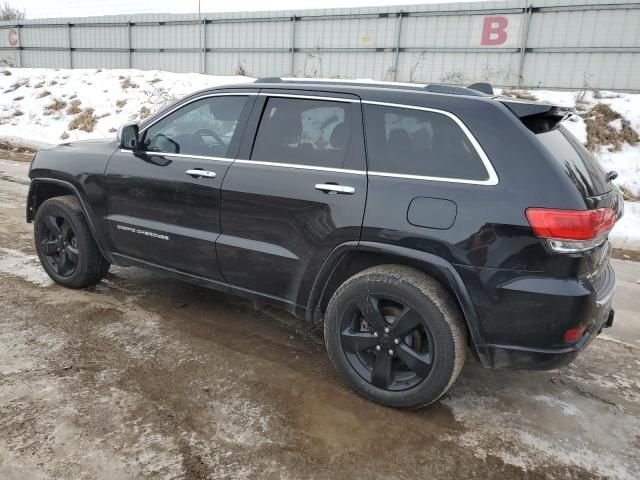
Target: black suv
(416, 223)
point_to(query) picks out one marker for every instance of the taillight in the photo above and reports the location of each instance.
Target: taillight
(574, 334)
(571, 231)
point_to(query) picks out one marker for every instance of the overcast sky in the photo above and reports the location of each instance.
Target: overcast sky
(81, 8)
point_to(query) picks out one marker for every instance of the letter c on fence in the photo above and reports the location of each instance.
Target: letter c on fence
(494, 30)
(13, 37)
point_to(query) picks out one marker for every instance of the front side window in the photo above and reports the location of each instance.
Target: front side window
(306, 132)
(205, 127)
(418, 142)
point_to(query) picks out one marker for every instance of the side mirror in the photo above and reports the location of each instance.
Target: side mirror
(128, 136)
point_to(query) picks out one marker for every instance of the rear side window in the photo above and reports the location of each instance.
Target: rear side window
(306, 132)
(418, 142)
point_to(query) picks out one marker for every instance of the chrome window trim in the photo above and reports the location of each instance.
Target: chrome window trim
(179, 155)
(493, 176)
(221, 94)
(310, 97)
(301, 167)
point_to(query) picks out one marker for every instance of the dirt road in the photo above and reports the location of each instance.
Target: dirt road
(147, 377)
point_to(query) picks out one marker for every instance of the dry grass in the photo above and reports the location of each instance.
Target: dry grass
(521, 94)
(56, 105)
(85, 121)
(74, 107)
(16, 85)
(127, 83)
(601, 134)
(52, 83)
(628, 195)
(64, 135)
(121, 103)
(155, 80)
(18, 113)
(44, 93)
(144, 112)
(240, 70)
(17, 99)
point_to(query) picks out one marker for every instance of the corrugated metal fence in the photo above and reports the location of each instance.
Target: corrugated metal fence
(542, 43)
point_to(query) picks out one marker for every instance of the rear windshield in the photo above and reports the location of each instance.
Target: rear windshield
(584, 171)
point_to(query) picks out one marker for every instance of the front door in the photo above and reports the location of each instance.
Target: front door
(164, 198)
(297, 191)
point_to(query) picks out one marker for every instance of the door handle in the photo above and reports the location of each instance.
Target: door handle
(333, 188)
(201, 173)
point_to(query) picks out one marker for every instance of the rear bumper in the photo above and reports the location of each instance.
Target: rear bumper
(524, 318)
(524, 358)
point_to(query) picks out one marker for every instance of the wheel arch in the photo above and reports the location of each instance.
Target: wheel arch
(352, 257)
(42, 189)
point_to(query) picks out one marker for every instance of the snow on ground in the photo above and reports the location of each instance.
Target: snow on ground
(116, 97)
(39, 106)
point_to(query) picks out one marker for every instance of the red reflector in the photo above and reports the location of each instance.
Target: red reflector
(570, 224)
(574, 334)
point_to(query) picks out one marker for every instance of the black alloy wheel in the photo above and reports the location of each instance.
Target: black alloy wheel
(65, 244)
(395, 335)
(387, 342)
(59, 245)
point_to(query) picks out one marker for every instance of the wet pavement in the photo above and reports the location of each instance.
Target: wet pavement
(144, 376)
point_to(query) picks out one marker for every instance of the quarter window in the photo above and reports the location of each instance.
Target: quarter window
(307, 132)
(206, 127)
(418, 142)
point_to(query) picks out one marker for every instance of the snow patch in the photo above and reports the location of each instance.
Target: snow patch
(27, 267)
(28, 97)
(567, 408)
(616, 124)
(626, 233)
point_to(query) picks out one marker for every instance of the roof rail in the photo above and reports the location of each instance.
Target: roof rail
(268, 80)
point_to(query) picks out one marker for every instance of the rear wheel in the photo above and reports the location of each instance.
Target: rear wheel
(396, 335)
(65, 245)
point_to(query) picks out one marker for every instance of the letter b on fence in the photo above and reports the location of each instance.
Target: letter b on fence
(494, 31)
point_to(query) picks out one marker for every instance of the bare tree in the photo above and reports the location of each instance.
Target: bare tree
(7, 12)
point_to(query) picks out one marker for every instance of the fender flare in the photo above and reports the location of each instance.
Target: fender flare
(446, 270)
(86, 210)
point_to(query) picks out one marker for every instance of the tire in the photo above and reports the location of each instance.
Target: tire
(65, 245)
(393, 298)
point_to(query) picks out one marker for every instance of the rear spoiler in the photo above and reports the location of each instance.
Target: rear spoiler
(537, 117)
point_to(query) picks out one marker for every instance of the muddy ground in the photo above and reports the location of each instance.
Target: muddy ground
(146, 377)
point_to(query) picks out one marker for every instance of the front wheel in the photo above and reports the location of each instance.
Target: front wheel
(396, 336)
(65, 246)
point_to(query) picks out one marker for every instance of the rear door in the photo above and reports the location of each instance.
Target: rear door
(164, 198)
(297, 190)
